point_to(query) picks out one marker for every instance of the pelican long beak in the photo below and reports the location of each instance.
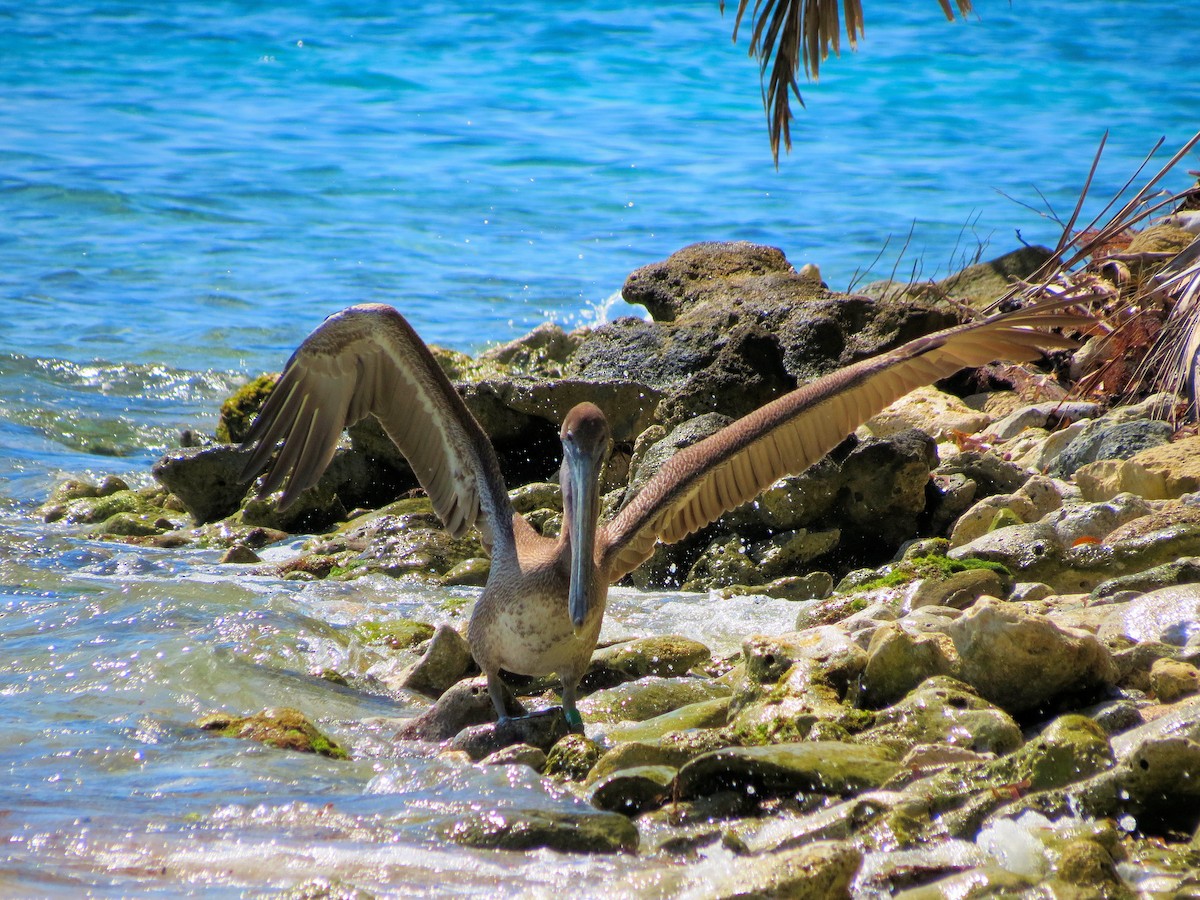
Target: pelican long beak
(582, 501)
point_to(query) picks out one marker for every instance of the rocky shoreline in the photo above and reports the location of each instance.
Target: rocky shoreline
(992, 683)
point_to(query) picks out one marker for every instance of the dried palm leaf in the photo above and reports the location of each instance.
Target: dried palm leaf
(789, 33)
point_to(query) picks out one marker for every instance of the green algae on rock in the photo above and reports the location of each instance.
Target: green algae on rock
(283, 728)
(824, 767)
(530, 829)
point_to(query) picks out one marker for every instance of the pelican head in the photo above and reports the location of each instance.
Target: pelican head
(584, 436)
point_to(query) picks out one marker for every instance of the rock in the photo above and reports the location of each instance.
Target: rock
(1033, 500)
(395, 634)
(240, 554)
(1179, 572)
(665, 656)
(883, 488)
(652, 696)
(959, 590)
(1049, 415)
(283, 728)
(1022, 662)
(1105, 479)
(934, 412)
(820, 871)
(444, 662)
(1102, 440)
(982, 283)
(530, 829)
(542, 730)
(239, 411)
(638, 754)
(670, 287)
(813, 586)
(467, 703)
(729, 560)
(1172, 680)
(899, 660)
(944, 711)
(518, 755)
(1170, 615)
(542, 352)
(635, 790)
(471, 572)
(572, 757)
(704, 714)
(824, 767)
(1177, 463)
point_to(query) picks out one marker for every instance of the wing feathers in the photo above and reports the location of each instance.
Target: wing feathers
(707, 479)
(368, 360)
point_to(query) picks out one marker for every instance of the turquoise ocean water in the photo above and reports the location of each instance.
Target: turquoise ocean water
(188, 188)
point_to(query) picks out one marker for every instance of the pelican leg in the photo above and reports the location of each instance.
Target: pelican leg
(570, 713)
(496, 692)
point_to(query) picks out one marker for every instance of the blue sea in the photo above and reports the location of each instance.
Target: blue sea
(188, 188)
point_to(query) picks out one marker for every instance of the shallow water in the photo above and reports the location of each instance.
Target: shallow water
(188, 189)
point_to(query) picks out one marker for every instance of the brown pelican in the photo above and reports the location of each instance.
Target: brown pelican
(541, 609)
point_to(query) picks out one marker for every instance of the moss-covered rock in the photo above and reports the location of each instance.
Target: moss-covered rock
(531, 829)
(636, 701)
(283, 728)
(572, 757)
(824, 767)
(238, 411)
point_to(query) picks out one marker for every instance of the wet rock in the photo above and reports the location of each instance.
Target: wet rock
(704, 714)
(283, 728)
(898, 660)
(239, 410)
(730, 560)
(518, 755)
(883, 487)
(207, 481)
(542, 352)
(395, 634)
(471, 572)
(572, 758)
(1022, 662)
(635, 790)
(465, 704)
(1169, 615)
(1060, 552)
(529, 829)
(542, 730)
(825, 767)
(813, 586)
(652, 696)
(945, 711)
(1181, 571)
(1171, 680)
(637, 754)
(240, 554)
(821, 871)
(934, 412)
(444, 662)
(661, 655)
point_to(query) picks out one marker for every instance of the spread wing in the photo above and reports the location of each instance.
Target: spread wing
(367, 360)
(789, 434)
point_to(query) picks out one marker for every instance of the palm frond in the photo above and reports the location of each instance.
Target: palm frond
(789, 33)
